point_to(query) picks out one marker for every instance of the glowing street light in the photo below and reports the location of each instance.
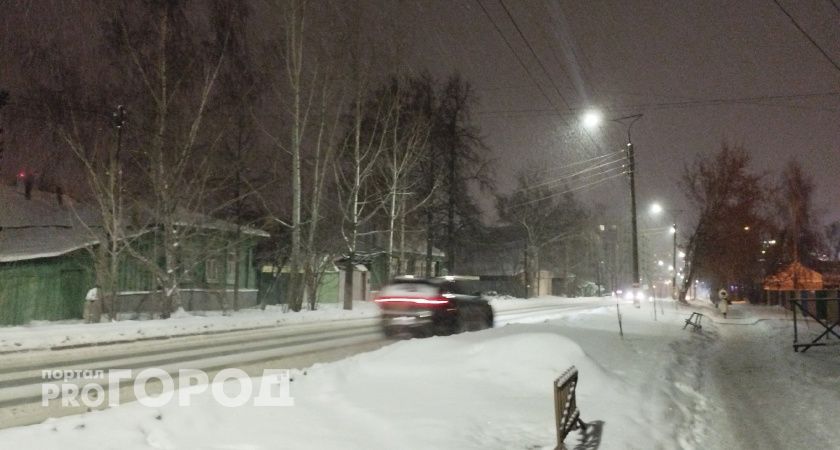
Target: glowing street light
(592, 119)
(656, 208)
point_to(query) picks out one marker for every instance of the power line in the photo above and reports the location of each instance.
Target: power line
(579, 162)
(758, 100)
(587, 177)
(569, 191)
(808, 36)
(542, 66)
(518, 58)
(567, 177)
(534, 53)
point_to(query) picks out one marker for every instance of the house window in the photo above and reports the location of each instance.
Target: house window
(212, 270)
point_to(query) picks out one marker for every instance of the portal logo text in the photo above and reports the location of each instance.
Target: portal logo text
(229, 387)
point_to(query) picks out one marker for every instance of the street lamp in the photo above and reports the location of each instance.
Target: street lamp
(591, 119)
(656, 208)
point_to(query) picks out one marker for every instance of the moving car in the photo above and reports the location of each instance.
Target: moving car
(436, 306)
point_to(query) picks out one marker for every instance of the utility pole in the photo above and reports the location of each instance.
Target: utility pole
(450, 224)
(631, 157)
(674, 291)
(115, 215)
(4, 97)
(633, 222)
(527, 274)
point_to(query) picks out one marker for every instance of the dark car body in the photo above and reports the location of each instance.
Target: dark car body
(437, 306)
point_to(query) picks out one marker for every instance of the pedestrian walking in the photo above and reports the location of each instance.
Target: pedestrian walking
(723, 304)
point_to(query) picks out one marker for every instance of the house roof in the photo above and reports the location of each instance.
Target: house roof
(39, 227)
(794, 276)
(415, 244)
(186, 218)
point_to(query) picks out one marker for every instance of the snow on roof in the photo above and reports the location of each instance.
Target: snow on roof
(39, 227)
(198, 220)
(20, 244)
(42, 210)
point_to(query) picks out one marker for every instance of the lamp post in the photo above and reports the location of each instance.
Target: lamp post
(591, 119)
(631, 158)
(656, 208)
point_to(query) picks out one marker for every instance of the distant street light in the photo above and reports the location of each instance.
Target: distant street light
(656, 208)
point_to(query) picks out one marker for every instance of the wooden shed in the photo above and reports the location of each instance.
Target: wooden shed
(794, 277)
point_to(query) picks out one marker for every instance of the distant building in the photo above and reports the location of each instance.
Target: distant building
(797, 281)
(794, 277)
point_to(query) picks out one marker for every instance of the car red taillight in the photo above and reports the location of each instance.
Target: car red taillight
(418, 301)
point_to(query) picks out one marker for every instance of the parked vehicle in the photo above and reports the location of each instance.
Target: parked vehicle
(437, 306)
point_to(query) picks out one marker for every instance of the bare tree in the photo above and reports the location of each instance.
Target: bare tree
(546, 216)
(723, 245)
(177, 69)
(407, 147)
(832, 236)
(799, 235)
(102, 161)
(457, 143)
(357, 195)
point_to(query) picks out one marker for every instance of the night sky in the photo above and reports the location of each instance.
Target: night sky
(672, 61)
(700, 72)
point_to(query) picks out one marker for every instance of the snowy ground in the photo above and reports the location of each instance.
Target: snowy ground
(728, 386)
(43, 335)
(54, 335)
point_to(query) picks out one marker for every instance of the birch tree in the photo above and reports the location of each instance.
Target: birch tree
(408, 136)
(177, 68)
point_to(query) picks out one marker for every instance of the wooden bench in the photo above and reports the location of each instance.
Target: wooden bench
(565, 406)
(694, 320)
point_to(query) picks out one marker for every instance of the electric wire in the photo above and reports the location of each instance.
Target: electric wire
(586, 177)
(575, 189)
(567, 177)
(578, 163)
(808, 36)
(519, 59)
(544, 69)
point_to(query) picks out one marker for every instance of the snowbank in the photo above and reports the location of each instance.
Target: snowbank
(45, 335)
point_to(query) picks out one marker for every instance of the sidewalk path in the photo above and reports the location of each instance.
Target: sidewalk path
(771, 397)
